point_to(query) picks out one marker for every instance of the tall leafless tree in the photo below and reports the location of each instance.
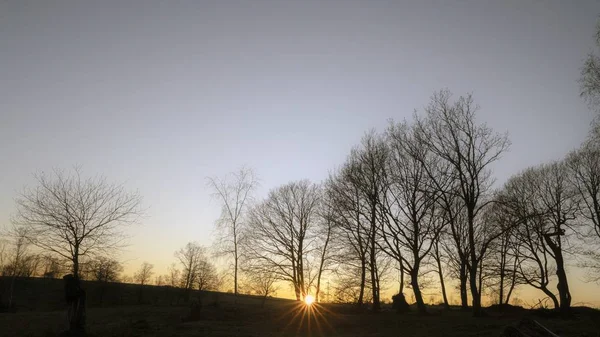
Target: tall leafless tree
(75, 217)
(584, 172)
(411, 225)
(558, 201)
(324, 241)
(368, 175)
(518, 200)
(280, 233)
(348, 210)
(451, 132)
(234, 191)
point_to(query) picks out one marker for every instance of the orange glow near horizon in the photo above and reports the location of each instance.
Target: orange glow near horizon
(309, 299)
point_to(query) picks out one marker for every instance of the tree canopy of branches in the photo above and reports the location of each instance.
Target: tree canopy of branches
(590, 74)
(351, 230)
(76, 217)
(365, 177)
(450, 132)
(234, 192)
(104, 269)
(197, 271)
(411, 226)
(144, 273)
(280, 233)
(584, 171)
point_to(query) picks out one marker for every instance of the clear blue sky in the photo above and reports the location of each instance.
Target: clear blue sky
(160, 95)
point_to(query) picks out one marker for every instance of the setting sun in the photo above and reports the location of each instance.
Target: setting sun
(309, 299)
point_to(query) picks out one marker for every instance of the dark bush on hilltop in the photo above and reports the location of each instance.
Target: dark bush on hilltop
(505, 308)
(399, 303)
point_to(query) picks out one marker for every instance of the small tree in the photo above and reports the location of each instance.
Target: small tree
(263, 284)
(75, 217)
(105, 269)
(172, 278)
(207, 278)
(191, 256)
(143, 275)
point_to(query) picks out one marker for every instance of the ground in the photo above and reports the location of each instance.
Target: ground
(287, 318)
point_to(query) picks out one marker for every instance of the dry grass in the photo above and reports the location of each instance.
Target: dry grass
(222, 317)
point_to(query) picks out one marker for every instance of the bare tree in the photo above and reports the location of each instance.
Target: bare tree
(348, 211)
(207, 278)
(263, 284)
(74, 217)
(325, 243)
(52, 266)
(280, 233)
(3, 253)
(584, 173)
(234, 192)
(190, 257)
(411, 225)
(144, 273)
(451, 132)
(552, 205)
(504, 254)
(559, 202)
(454, 239)
(173, 276)
(105, 269)
(368, 162)
(19, 260)
(590, 74)
(439, 261)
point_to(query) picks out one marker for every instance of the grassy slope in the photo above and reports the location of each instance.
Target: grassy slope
(221, 317)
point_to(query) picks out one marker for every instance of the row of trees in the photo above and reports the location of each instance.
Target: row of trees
(418, 198)
(418, 188)
(420, 195)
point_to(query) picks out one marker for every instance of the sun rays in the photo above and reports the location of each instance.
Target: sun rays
(308, 318)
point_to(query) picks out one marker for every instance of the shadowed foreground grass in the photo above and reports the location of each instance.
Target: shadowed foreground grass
(286, 318)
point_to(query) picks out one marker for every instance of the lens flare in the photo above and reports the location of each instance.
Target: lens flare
(309, 299)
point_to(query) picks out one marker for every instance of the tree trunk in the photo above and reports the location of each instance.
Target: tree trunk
(235, 265)
(464, 299)
(441, 275)
(322, 264)
(374, 276)
(473, 263)
(563, 287)
(551, 296)
(363, 280)
(475, 295)
(414, 282)
(76, 265)
(502, 274)
(563, 283)
(401, 288)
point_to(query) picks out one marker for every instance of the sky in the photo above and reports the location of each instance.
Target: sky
(159, 95)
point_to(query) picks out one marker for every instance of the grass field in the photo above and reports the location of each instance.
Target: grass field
(221, 316)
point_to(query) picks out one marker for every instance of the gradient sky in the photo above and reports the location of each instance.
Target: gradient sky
(161, 94)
